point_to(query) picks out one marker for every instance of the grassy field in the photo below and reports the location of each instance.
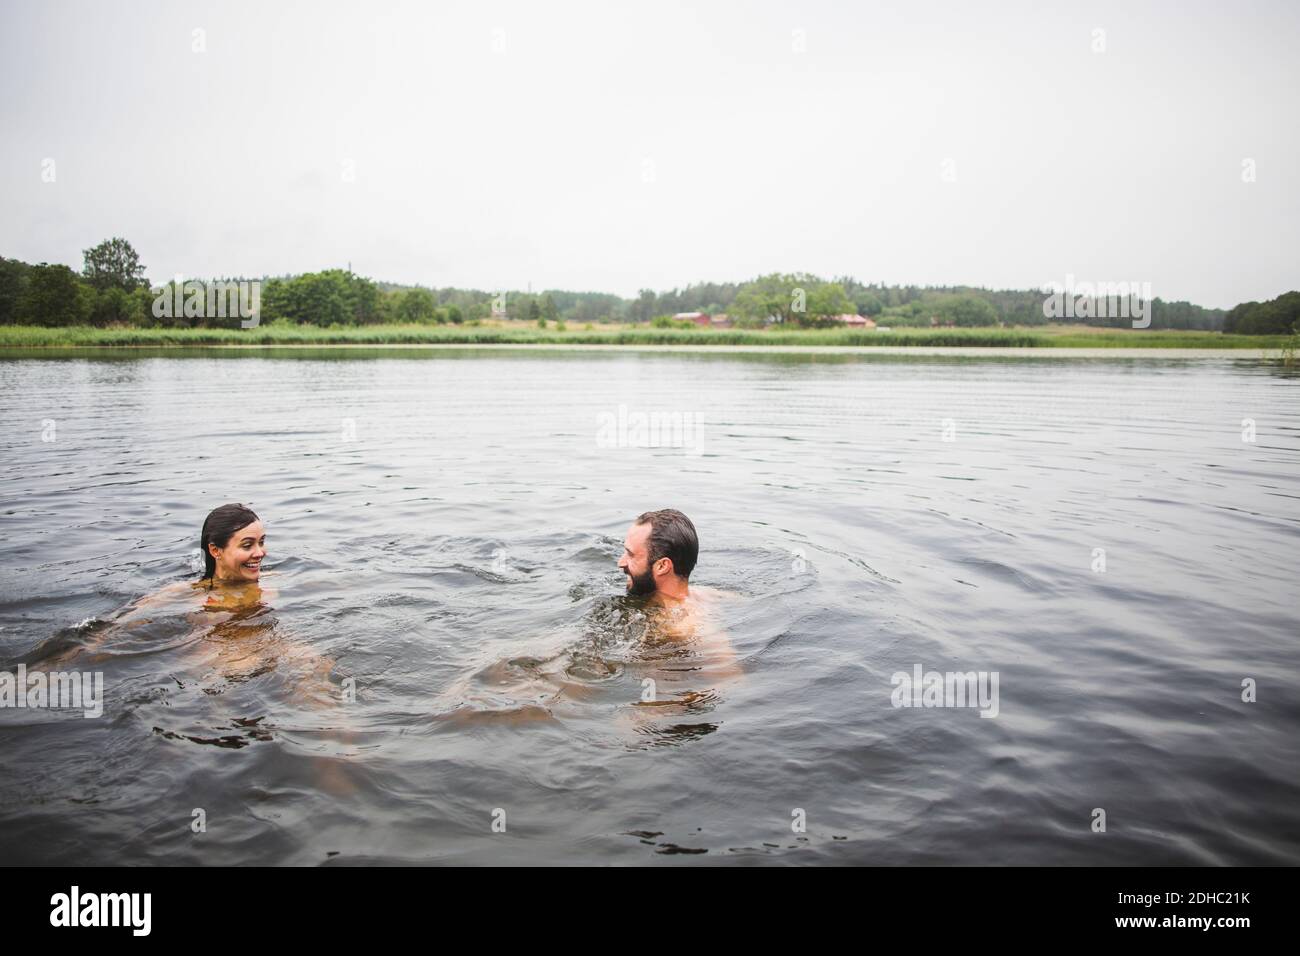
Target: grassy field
(16, 336)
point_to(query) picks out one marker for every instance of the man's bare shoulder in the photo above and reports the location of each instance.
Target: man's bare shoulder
(711, 595)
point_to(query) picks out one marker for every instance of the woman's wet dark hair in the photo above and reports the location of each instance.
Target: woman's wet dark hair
(220, 524)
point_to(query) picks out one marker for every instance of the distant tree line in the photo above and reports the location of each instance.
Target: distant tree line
(1280, 316)
(111, 290)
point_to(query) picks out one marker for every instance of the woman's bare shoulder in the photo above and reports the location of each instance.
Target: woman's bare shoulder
(169, 594)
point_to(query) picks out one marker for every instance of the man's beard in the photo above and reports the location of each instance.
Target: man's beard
(641, 585)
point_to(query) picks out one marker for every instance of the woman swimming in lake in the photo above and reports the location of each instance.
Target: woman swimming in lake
(233, 544)
(231, 635)
(232, 561)
(214, 653)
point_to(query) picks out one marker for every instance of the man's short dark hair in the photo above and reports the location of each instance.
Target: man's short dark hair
(672, 536)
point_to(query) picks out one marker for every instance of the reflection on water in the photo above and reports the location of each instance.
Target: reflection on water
(445, 633)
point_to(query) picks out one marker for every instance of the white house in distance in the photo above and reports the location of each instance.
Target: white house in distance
(855, 321)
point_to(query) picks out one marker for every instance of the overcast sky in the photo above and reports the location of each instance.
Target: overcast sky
(616, 146)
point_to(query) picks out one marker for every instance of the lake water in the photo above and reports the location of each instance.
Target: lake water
(1107, 536)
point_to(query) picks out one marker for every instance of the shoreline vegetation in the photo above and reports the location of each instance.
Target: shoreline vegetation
(111, 304)
(508, 332)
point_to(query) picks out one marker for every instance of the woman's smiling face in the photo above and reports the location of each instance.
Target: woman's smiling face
(241, 558)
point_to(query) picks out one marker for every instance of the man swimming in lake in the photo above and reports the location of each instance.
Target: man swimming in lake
(663, 638)
(659, 554)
